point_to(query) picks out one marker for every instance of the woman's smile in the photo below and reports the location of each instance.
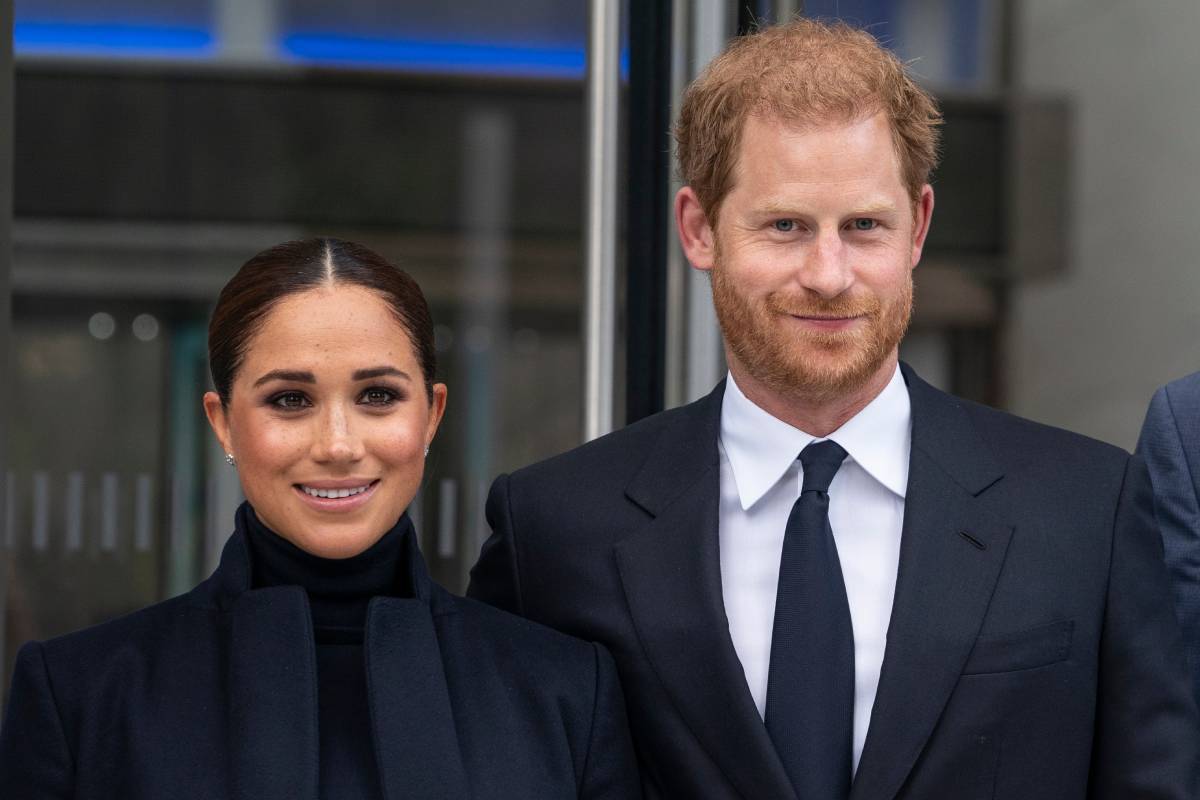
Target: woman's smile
(336, 496)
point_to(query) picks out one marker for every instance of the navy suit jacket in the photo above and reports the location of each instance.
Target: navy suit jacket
(213, 695)
(1170, 443)
(1032, 652)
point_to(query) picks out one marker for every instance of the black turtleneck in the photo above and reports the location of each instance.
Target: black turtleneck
(338, 593)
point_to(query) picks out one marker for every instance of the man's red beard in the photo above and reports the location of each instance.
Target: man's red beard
(815, 365)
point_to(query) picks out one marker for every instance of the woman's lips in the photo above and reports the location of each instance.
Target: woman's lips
(358, 495)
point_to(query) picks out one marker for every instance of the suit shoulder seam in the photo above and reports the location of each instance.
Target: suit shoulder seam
(587, 757)
(1187, 467)
(516, 546)
(62, 726)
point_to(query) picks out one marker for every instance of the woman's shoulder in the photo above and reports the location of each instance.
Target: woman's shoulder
(120, 644)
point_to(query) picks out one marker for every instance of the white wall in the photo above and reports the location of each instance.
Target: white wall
(1088, 348)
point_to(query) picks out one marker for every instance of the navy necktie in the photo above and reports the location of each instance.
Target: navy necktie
(810, 683)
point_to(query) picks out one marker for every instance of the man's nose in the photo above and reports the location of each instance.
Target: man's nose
(825, 267)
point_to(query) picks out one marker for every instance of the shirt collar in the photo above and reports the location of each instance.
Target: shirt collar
(760, 447)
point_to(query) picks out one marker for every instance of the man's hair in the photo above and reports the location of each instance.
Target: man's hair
(809, 73)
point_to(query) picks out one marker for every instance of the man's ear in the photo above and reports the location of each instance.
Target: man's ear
(695, 234)
(218, 420)
(923, 216)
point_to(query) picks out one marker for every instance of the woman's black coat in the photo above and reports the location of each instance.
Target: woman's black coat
(213, 694)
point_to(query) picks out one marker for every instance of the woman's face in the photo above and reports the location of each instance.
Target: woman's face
(328, 420)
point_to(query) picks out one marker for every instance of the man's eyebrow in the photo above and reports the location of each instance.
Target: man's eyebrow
(379, 372)
(877, 208)
(297, 376)
(780, 209)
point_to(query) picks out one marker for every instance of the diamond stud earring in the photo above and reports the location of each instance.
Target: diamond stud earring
(229, 459)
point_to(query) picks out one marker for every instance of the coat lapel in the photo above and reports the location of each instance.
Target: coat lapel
(273, 731)
(951, 552)
(273, 696)
(671, 574)
(416, 745)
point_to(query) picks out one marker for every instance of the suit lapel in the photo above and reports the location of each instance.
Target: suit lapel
(671, 574)
(273, 697)
(416, 744)
(951, 552)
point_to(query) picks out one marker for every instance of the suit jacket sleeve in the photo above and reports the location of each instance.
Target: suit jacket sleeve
(1178, 515)
(1147, 741)
(496, 576)
(610, 772)
(35, 760)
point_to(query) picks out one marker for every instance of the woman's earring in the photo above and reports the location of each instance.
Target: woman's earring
(427, 451)
(229, 459)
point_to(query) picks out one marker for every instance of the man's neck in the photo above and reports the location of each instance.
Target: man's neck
(819, 417)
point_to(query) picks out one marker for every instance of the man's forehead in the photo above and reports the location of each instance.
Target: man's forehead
(808, 120)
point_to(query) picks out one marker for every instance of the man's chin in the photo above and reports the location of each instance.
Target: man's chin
(825, 373)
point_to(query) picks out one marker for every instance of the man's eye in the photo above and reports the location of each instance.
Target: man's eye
(865, 224)
(289, 400)
(785, 225)
(377, 396)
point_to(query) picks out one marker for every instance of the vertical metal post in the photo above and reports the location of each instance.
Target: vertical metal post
(486, 191)
(248, 32)
(648, 206)
(6, 210)
(600, 224)
(676, 335)
(713, 24)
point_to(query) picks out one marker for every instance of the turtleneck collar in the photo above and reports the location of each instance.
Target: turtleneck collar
(338, 589)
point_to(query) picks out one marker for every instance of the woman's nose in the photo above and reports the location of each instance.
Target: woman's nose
(336, 439)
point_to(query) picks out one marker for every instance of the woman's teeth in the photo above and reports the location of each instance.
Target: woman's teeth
(334, 493)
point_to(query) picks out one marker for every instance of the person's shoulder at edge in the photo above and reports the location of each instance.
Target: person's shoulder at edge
(1183, 391)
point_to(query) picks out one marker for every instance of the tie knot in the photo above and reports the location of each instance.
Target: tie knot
(821, 461)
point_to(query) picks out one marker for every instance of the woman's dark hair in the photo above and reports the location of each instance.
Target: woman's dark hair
(294, 267)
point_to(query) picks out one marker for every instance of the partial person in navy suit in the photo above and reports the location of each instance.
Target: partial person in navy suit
(828, 579)
(319, 660)
(1170, 443)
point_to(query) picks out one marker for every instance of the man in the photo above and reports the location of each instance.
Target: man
(1170, 443)
(828, 579)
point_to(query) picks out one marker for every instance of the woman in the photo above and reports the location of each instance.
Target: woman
(319, 660)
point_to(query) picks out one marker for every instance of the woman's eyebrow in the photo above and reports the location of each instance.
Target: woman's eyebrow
(286, 375)
(379, 372)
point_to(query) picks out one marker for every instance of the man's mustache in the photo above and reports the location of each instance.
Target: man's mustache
(814, 307)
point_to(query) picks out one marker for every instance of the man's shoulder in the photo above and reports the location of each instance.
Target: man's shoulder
(616, 454)
(1011, 441)
(1016, 438)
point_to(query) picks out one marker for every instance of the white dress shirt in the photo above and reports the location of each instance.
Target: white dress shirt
(760, 481)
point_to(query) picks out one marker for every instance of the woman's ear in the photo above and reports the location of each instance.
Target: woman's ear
(218, 420)
(437, 408)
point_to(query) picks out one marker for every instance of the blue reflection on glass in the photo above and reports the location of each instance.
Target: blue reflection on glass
(101, 38)
(568, 60)
(430, 56)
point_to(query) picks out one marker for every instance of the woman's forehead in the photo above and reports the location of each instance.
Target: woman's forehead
(349, 323)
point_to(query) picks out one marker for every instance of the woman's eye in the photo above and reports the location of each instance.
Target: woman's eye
(785, 225)
(865, 224)
(289, 400)
(378, 397)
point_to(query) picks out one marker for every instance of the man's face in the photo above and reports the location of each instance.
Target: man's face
(812, 256)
